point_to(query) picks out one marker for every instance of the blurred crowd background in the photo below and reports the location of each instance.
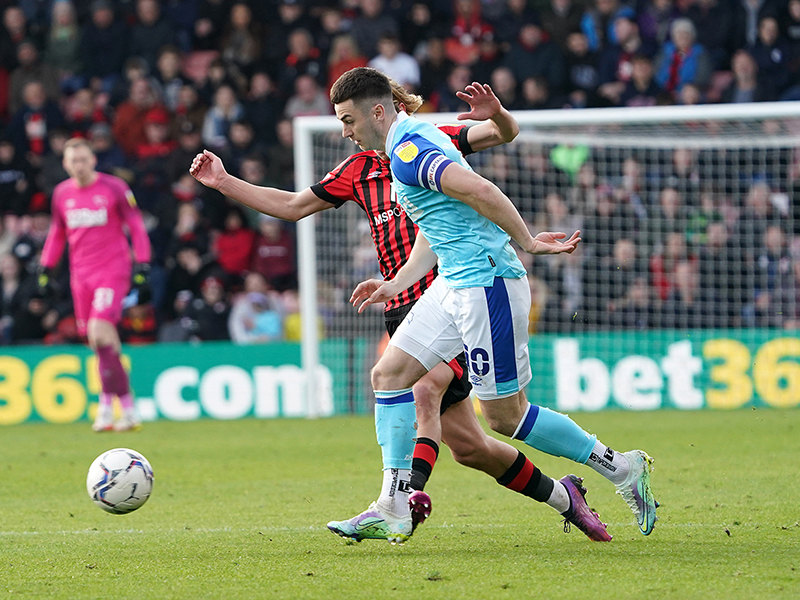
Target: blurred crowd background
(152, 83)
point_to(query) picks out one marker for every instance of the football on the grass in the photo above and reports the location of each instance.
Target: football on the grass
(120, 481)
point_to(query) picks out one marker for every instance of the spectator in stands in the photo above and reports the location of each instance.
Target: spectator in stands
(211, 18)
(670, 215)
(560, 19)
(11, 277)
(616, 60)
(280, 158)
(745, 86)
(723, 281)
(225, 109)
(187, 271)
(158, 143)
(138, 325)
(684, 308)
(263, 107)
(16, 177)
(14, 31)
(110, 158)
(514, 14)
(597, 23)
(774, 282)
(103, 46)
(128, 124)
(274, 254)
(747, 16)
(150, 33)
(664, 261)
(420, 25)
(682, 59)
(758, 214)
(655, 19)
(52, 172)
(233, 246)
(189, 144)
(398, 65)
(371, 24)
(610, 221)
(468, 31)
(30, 124)
(255, 319)
(344, 55)
(189, 107)
(217, 75)
(168, 76)
(791, 29)
(773, 56)
(82, 110)
(637, 309)
(31, 69)
(241, 41)
(207, 315)
(641, 90)
(583, 75)
(714, 21)
(241, 144)
(63, 46)
(607, 281)
(304, 59)
(254, 170)
(434, 67)
(690, 95)
(536, 95)
(332, 24)
(444, 97)
(531, 55)
(309, 99)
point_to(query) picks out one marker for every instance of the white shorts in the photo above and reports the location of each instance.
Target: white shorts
(490, 325)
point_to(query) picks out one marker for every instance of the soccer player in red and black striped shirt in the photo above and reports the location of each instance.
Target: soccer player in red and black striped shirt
(365, 178)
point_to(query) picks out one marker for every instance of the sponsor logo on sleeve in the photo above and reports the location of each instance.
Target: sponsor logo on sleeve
(406, 151)
(129, 197)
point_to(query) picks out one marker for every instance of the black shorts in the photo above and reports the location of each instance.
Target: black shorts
(460, 386)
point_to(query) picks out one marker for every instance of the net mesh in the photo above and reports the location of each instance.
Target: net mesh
(688, 225)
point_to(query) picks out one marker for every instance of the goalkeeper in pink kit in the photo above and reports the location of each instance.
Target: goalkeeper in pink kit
(91, 211)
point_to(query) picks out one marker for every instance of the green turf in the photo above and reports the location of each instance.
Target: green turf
(239, 511)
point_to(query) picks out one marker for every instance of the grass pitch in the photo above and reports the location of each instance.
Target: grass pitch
(239, 510)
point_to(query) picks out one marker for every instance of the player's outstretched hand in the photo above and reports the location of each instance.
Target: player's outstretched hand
(372, 291)
(482, 101)
(207, 169)
(549, 242)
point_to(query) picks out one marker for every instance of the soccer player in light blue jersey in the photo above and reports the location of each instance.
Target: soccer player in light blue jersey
(478, 304)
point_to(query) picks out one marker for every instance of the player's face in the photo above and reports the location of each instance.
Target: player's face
(79, 162)
(359, 126)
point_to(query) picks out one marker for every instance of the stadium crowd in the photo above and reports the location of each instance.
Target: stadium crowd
(152, 83)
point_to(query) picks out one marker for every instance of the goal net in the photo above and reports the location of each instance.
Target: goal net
(684, 292)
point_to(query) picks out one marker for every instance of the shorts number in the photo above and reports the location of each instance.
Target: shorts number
(103, 297)
(478, 361)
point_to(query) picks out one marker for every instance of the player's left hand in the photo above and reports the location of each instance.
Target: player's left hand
(372, 291)
(548, 242)
(482, 101)
(140, 281)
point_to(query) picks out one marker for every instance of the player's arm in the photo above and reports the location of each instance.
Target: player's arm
(132, 217)
(420, 261)
(498, 127)
(55, 241)
(487, 199)
(208, 169)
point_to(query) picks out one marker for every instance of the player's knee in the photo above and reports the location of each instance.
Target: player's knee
(427, 395)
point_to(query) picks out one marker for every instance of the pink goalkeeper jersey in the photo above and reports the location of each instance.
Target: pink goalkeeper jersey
(92, 220)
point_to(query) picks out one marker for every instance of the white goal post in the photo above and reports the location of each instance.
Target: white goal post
(562, 170)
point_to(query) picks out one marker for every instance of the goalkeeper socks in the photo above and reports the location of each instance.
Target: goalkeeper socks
(554, 434)
(426, 452)
(105, 407)
(524, 477)
(113, 378)
(612, 465)
(395, 417)
(394, 492)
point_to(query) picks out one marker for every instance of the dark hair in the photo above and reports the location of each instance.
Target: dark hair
(360, 84)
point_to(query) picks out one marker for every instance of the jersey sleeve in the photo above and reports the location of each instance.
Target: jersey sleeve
(458, 135)
(419, 162)
(337, 186)
(133, 219)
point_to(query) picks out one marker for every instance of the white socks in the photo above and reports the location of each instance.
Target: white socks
(612, 465)
(395, 491)
(559, 498)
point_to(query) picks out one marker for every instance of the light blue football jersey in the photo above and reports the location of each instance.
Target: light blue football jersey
(472, 250)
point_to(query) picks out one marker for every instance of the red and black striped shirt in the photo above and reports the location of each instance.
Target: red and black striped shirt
(366, 179)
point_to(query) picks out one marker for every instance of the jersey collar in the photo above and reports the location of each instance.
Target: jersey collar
(401, 116)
